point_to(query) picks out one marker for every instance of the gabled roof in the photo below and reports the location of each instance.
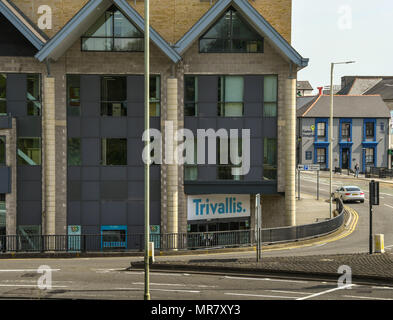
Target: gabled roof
(23, 24)
(253, 17)
(362, 106)
(302, 101)
(383, 88)
(86, 17)
(304, 85)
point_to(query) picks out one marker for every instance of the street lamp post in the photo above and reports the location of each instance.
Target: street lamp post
(147, 147)
(331, 131)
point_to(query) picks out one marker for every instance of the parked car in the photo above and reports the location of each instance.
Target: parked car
(349, 193)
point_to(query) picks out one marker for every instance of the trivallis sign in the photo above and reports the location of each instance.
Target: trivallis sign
(218, 206)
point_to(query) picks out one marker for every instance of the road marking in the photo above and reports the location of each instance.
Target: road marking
(265, 279)
(257, 295)
(176, 290)
(368, 298)
(161, 284)
(383, 288)
(386, 194)
(389, 246)
(326, 291)
(24, 270)
(388, 206)
(156, 273)
(28, 285)
(283, 291)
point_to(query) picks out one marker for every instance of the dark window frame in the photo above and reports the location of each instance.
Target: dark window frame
(230, 39)
(222, 104)
(3, 141)
(125, 156)
(113, 9)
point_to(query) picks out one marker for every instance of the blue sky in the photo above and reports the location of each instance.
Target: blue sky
(339, 30)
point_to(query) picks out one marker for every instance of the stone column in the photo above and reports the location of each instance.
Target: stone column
(290, 152)
(11, 198)
(172, 168)
(49, 157)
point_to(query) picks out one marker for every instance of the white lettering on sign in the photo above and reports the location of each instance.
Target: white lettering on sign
(204, 207)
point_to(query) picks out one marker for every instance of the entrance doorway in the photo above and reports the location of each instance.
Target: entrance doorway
(345, 158)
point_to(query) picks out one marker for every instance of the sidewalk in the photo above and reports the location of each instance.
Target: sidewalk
(376, 267)
(310, 210)
(344, 175)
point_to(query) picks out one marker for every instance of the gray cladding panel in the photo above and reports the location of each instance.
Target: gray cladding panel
(113, 127)
(29, 173)
(255, 174)
(17, 108)
(91, 152)
(5, 179)
(135, 214)
(29, 190)
(74, 127)
(207, 109)
(90, 173)
(29, 212)
(74, 213)
(253, 109)
(135, 109)
(113, 190)
(113, 173)
(114, 213)
(90, 88)
(90, 213)
(90, 109)
(255, 126)
(253, 89)
(29, 126)
(90, 190)
(208, 89)
(16, 87)
(270, 127)
(90, 127)
(135, 89)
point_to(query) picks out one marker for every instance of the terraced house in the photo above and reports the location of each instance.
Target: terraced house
(72, 108)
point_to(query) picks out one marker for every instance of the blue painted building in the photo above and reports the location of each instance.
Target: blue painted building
(360, 132)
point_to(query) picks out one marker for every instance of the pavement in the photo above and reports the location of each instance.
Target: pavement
(309, 210)
(376, 268)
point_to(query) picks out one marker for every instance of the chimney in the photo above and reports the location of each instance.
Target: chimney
(320, 90)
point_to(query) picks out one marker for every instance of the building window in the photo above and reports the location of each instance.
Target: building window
(224, 170)
(345, 131)
(74, 152)
(113, 96)
(113, 32)
(2, 151)
(191, 168)
(321, 130)
(3, 94)
(230, 96)
(231, 34)
(369, 154)
(29, 151)
(370, 130)
(113, 152)
(270, 96)
(308, 155)
(321, 155)
(73, 95)
(33, 95)
(155, 96)
(270, 159)
(191, 96)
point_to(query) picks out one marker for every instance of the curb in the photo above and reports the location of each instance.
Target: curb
(222, 270)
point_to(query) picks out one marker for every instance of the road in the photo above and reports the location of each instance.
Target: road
(106, 278)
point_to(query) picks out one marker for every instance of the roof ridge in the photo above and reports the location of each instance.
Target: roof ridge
(312, 106)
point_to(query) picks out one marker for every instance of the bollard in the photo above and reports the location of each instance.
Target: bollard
(379, 243)
(151, 252)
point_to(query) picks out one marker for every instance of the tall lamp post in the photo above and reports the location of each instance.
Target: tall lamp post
(331, 131)
(147, 147)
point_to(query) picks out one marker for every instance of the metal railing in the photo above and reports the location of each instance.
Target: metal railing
(378, 172)
(179, 241)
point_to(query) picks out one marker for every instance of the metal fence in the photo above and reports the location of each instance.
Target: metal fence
(377, 172)
(179, 241)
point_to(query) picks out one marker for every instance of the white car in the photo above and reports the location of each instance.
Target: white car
(349, 193)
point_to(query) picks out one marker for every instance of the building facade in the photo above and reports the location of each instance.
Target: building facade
(361, 132)
(73, 115)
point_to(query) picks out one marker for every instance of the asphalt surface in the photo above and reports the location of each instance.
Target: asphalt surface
(98, 278)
